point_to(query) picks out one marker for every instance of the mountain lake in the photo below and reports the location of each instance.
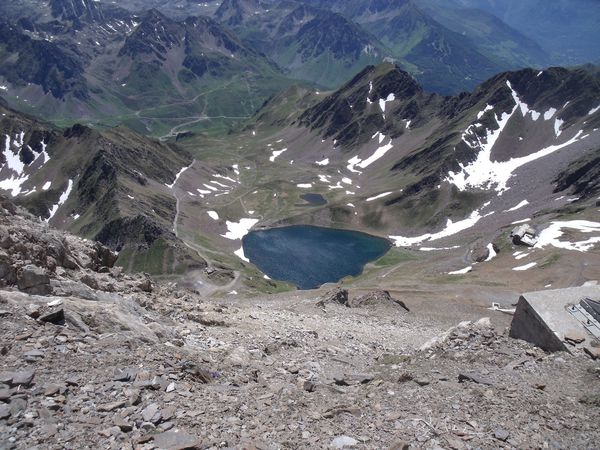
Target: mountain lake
(310, 256)
(312, 199)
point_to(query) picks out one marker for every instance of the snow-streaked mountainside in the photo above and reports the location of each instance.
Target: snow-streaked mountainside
(110, 186)
(107, 63)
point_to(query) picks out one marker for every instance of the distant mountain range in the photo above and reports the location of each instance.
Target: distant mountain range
(161, 71)
(101, 64)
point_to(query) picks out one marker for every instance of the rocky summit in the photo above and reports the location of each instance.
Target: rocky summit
(95, 358)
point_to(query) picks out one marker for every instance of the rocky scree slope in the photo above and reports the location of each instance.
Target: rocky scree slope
(118, 361)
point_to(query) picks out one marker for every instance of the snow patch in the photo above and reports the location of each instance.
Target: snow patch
(525, 267)
(549, 114)
(450, 229)
(519, 206)
(558, 123)
(461, 271)
(240, 254)
(304, 185)
(492, 254)
(487, 108)
(485, 173)
(551, 234)
(352, 162)
(437, 249)
(237, 230)
(324, 162)
(181, 172)
(61, 201)
(380, 152)
(213, 215)
(276, 153)
(382, 102)
(594, 110)
(385, 194)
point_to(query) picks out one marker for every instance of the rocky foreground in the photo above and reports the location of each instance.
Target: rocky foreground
(95, 358)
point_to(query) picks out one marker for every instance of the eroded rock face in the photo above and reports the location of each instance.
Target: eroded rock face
(335, 296)
(34, 280)
(40, 260)
(376, 298)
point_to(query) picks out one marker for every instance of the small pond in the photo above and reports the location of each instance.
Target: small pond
(314, 199)
(310, 256)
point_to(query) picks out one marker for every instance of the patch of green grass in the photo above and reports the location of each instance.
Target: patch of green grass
(551, 260)
(154, 260)
(395, 256)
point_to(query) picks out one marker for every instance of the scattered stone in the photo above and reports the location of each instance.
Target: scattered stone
(145, 285)
(5, 395)
(33, 355)
(501, 434)
(575, 338)
(125, 375)
(34, 311)
(23, 378)
(56, 317)
(151, 413)
(309, 386)
(4, 411)
(123, 425)
(474, 377)
(89, 281)
(341, 442)
(108, 407)
(176, 440)
(423, 381)
(51, 390)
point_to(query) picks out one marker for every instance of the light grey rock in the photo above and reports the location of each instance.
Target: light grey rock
(176, 440)
(343, 442)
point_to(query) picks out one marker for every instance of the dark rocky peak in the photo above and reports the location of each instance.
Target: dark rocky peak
(357, 8)
(234, 12)
(205, 31)
(156, 33)
(354, 112)
(297, 17)
(333, 32)
(571, 92)
(77, 131)
(47, 64)
(393, 81)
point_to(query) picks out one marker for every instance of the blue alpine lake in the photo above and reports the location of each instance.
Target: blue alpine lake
(309, 256)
